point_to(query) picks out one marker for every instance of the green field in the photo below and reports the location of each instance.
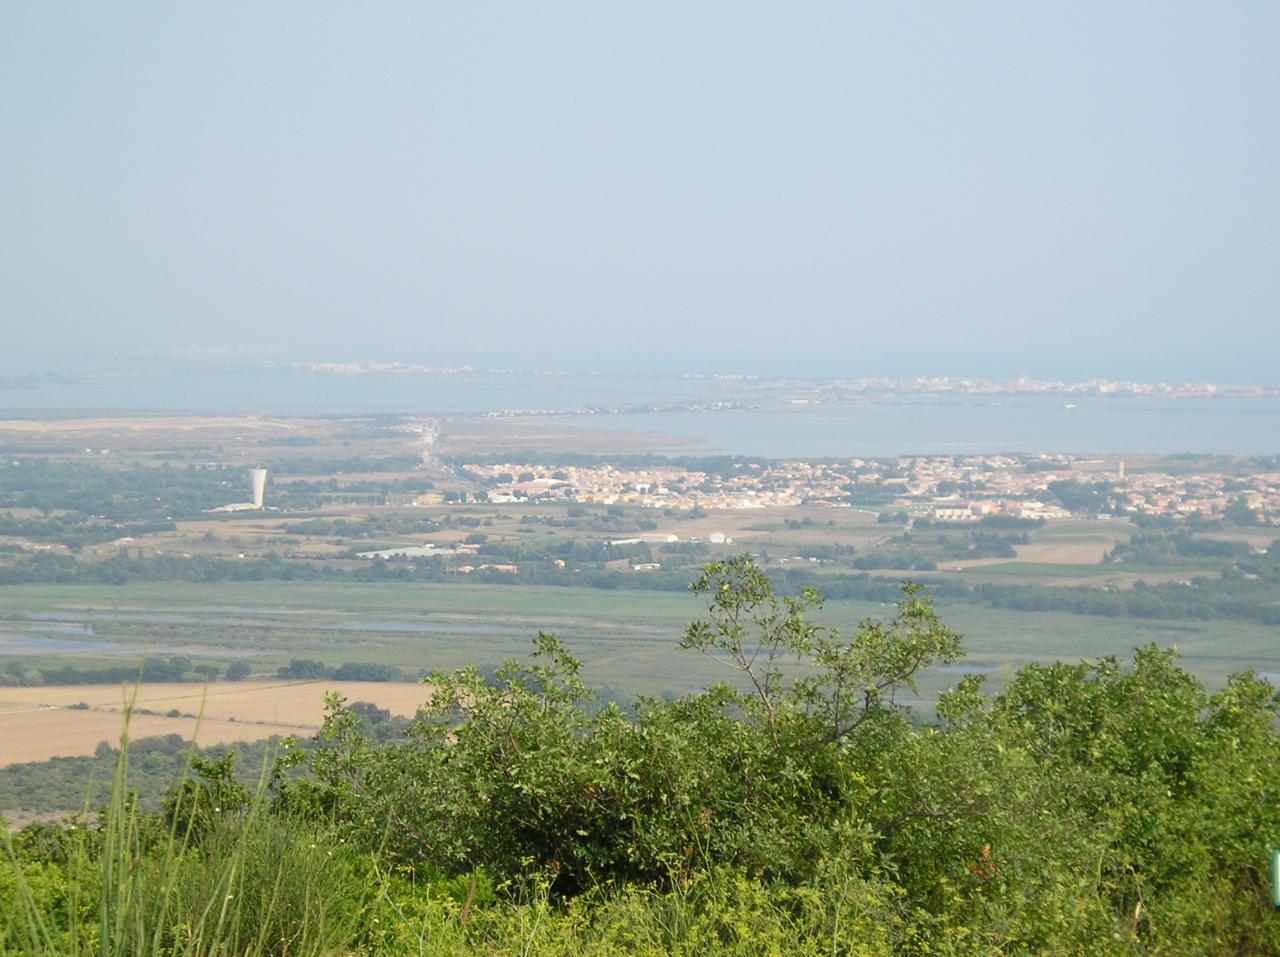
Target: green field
(627, 639)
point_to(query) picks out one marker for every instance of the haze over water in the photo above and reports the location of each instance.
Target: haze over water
(764, 425)
(978, 425)
(1068, 191)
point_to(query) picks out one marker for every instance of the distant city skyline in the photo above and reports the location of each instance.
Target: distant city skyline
(981, 189)
(41, 361)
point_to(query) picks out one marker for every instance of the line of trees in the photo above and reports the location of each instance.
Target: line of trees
(1248, 589)
(15, 672)
(308, 669)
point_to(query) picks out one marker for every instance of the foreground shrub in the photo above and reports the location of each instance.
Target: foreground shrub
(1093, 808)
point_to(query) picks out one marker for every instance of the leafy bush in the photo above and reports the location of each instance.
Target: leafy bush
(1091, 808)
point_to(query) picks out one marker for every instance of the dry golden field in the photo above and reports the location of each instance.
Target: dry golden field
(39, 723)
(1064, 553)
(1050, 553)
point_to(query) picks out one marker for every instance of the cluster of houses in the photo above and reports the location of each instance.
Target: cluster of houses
(753, 486)
(947, 488)
(1022, 488)
(1206, 495)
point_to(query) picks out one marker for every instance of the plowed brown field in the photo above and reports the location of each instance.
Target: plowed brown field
(39, 723)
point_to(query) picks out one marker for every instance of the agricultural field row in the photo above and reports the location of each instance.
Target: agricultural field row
(72, 720)
(627, 640)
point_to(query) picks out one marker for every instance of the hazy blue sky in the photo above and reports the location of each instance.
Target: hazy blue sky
(1077, 189)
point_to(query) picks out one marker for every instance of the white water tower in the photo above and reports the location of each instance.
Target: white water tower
(258, 478)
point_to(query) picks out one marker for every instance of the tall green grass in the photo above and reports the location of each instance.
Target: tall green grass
(184, 883)
(123, 883)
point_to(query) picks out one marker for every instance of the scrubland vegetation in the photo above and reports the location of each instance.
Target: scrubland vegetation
(1105, 807)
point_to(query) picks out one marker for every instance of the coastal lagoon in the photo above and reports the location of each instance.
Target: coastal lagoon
(742, 416)
(973, 425)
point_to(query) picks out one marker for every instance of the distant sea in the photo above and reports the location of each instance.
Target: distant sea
(873, 427)
(981, 424)
(205, 389)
